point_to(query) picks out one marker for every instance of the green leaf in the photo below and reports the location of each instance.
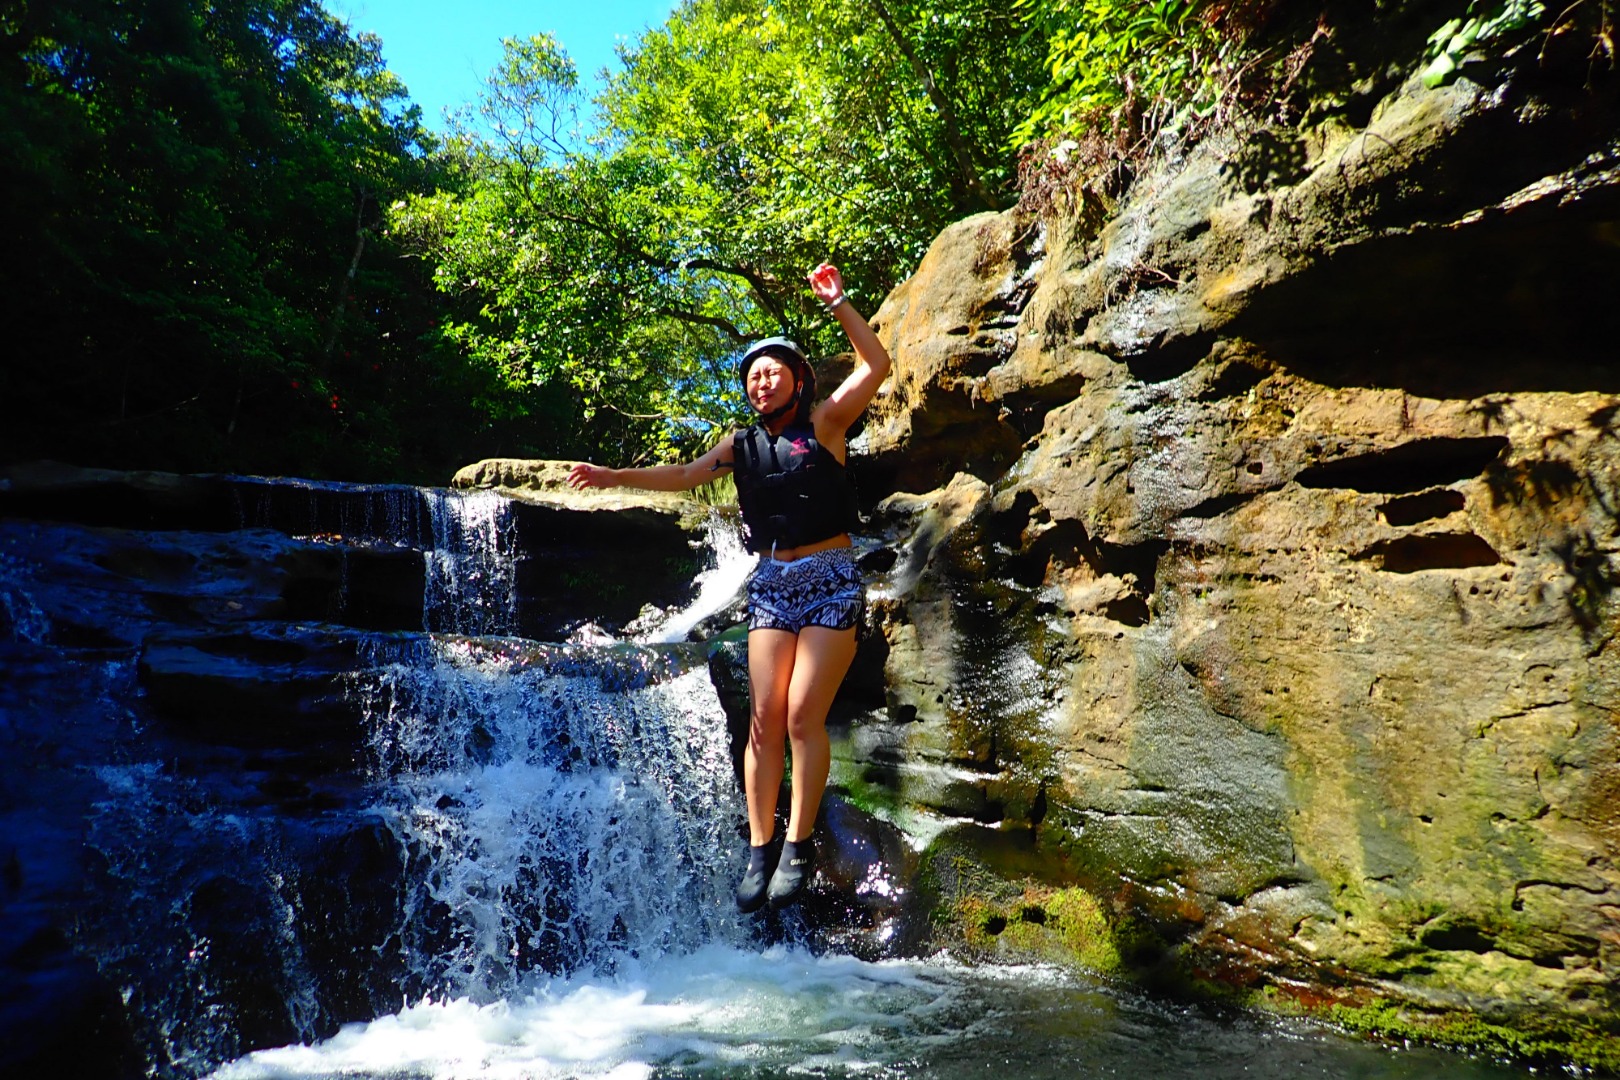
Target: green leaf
(1438, 70)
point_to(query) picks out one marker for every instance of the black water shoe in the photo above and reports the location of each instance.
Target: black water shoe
(793, 872)
(751, 890)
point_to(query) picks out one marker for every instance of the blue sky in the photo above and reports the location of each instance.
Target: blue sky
(443, 49)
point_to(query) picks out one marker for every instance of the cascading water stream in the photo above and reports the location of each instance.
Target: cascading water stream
(562, 807)
(471, 585)
(717, 586)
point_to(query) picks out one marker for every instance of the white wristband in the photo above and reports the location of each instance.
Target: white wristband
(841, 298)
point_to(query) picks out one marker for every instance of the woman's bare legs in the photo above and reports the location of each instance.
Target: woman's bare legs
(819, 665)
(792, 682)
(770, 670)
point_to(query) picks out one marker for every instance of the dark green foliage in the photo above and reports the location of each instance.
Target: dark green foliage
(194, 279)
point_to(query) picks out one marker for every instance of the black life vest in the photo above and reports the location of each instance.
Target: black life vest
(791, 489)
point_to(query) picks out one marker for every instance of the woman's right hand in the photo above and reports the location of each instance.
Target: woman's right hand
(827, 283)
(586, 475)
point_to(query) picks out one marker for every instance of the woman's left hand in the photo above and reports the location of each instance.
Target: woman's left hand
(827, 283)
(586, 475)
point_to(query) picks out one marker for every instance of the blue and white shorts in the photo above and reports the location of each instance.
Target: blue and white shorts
(823, 589)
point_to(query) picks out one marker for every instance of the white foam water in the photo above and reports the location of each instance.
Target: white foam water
(718, 586)
(725, 1012)
(471, 583)
(718, 1010)
(563, 808)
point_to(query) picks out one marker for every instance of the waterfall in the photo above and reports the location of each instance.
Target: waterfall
(447, 814)
(718, 586)
(471, 585)
(552, 812)
(562, 807)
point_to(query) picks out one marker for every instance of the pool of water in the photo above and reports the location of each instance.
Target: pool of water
(725, 1012)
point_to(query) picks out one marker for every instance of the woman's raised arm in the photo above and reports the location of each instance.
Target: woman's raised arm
(872, 363)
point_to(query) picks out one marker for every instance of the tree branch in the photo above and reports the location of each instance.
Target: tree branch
(661, 416)
(345, 283)
(953, 132)
(725, 326)
(756, 278)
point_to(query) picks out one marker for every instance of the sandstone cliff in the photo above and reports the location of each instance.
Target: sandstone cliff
(1255, 559)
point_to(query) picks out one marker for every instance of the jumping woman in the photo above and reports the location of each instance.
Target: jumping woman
(804, 597)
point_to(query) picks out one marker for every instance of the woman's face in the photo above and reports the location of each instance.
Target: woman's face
(770, 384)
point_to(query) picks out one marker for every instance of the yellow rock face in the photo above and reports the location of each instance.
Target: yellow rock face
(1283, 610)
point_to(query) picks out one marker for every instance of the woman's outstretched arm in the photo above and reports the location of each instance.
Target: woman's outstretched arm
(872, 363)
(656, 477)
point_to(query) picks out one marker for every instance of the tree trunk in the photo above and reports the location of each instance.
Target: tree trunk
(968, 172)
(346, 284)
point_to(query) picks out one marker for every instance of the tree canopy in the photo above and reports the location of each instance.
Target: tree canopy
(235, 245)
(642, 244)
(196, 277)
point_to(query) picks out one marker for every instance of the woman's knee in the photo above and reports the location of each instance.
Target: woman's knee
(768, 710)
(766, 729)
(806, 724)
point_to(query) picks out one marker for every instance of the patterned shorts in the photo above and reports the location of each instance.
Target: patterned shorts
(823, 589)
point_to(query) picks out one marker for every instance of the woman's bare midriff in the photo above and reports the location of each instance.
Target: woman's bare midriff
(782, 554)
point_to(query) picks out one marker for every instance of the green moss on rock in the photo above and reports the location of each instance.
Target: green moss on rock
(1556, 1042)
(995, 911)
(1066, 926)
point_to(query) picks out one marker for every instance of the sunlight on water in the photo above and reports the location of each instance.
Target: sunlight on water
(471, 585)
(723, 1012)
(563, 808)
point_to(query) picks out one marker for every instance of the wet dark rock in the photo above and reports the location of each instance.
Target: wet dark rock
(861, 901)
(62, 1018)
(171, 502)
(240, 991)
(281, 686)
(728, 669)
(350, 897)
(49, 491)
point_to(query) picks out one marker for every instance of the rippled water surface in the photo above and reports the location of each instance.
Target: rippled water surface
(724, 1012)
